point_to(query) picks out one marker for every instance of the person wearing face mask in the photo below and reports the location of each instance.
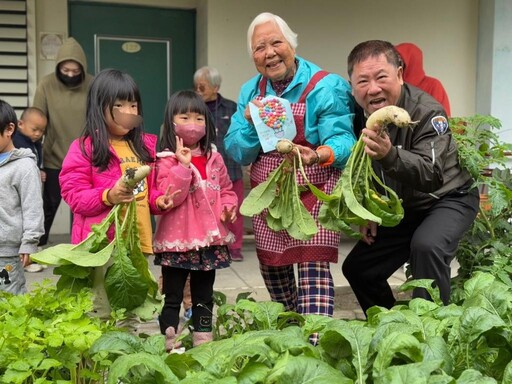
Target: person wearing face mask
(323, 110)
(91, 177)
(61, 96)
(193, 237)
(207, 82)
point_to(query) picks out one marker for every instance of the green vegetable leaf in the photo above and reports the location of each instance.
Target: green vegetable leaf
(139, 364)
(262, 195)
(123, 283)
(301, 369)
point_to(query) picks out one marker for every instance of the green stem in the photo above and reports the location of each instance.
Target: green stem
(488, 224)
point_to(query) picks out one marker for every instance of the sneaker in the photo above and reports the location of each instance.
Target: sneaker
(33, 268)
(236, 255)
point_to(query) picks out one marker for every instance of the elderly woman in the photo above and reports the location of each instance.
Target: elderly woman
(322, 106)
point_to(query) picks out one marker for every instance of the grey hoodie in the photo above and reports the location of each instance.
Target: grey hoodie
(21, 204)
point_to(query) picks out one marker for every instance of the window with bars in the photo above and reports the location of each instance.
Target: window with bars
(14, 54)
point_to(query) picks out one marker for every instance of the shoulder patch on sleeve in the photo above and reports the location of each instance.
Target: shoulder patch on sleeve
(440, 124)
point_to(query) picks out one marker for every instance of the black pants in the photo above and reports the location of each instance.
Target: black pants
(427, 240)
(51, 201)
(201, 289)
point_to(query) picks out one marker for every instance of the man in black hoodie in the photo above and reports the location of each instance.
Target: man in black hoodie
(62, 97)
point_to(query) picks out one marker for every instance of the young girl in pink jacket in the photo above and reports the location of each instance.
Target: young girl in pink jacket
(90, 178)
(191, 238)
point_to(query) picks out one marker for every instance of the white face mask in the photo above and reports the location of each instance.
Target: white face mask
(191, 133)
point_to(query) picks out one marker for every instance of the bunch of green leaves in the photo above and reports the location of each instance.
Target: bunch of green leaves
(359, 197)
(46, 336)
(246, 315)
(486, 245)
(415, 342)
(280, 196)
(129, 283)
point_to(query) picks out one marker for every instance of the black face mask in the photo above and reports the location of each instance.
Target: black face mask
(68, 81)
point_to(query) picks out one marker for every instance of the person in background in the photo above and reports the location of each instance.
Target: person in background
(192, 238)
(31, 127)
(91, 183)
(207, 82)
(414, 74)
(421, 165)
(62, 98)
(322, 108)
(21, 205)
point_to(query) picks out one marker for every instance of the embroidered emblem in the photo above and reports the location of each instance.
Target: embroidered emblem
(440, 124)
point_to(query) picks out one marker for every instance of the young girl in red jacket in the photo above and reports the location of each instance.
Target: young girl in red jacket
(113, 140)
(191, 238)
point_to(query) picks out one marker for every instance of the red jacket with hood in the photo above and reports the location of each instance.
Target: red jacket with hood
(414, 74)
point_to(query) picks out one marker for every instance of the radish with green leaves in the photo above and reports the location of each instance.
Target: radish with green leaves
(129, 283)
(280, 194)
(360, 195)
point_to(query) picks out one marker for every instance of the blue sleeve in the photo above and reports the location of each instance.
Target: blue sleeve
(241, 141)
(329, 117)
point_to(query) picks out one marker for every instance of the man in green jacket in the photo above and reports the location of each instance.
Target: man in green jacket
(62, 97)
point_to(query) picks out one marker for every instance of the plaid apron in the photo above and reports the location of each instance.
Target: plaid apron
(278, 248)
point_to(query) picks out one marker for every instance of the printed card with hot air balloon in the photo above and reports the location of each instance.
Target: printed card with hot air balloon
(273, 121)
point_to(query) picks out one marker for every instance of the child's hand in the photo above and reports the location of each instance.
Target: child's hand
(120, 193)
(43, 176)
(228, 215)
(183, 154)
(167, 201)
(25, 259)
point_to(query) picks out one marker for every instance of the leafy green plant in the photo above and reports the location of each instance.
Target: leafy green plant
(129, 283)
(416, 342)
(360, 196)
(280, 196)
(486, 246)
(46, 336)
(50, 339)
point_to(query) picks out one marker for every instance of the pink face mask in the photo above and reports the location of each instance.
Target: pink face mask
(190, 133)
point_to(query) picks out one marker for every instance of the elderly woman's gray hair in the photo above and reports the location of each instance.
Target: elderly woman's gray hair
(265, 17)
(211, 75)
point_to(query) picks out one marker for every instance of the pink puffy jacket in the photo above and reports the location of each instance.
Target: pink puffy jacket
(194, 222)
(82, 187)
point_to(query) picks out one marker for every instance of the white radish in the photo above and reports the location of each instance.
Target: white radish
(132, 176)
(284, 146)
(390, 114)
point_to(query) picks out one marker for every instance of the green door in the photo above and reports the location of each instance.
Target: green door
(154, 45)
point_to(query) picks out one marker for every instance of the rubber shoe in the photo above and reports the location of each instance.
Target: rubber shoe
(32, 268)
(236, 255)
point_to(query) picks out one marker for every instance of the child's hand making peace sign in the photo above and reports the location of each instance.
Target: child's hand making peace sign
(183, 154)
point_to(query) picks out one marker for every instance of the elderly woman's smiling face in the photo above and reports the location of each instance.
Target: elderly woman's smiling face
(272, 54)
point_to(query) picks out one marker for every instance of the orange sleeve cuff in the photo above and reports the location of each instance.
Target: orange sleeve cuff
(104, 198)
(331, 159)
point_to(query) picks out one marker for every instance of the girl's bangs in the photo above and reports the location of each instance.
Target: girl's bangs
(193, 105)
(126, 90)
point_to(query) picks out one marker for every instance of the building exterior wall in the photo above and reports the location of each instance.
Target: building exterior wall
(327, 30)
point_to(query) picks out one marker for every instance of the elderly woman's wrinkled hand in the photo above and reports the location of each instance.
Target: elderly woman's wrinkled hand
(308, 155)
(247, 112)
